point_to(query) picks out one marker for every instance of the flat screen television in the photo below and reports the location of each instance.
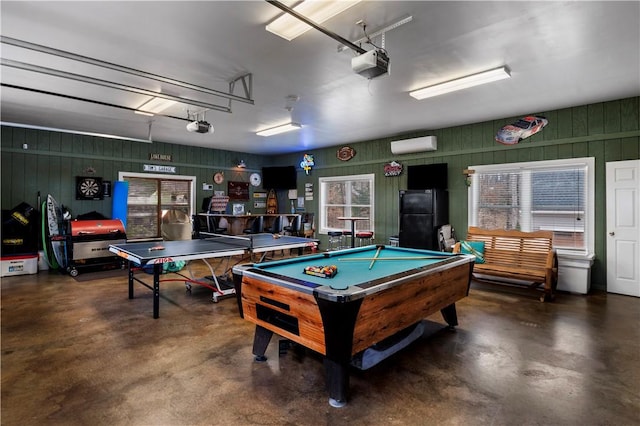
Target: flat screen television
(427, 176)
(283, 177)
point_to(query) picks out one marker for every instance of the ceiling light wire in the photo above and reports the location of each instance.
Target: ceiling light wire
(368, 39)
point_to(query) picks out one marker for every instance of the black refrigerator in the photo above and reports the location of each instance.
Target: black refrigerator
(422, 212)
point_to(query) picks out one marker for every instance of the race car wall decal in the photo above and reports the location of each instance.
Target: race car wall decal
(513, 133)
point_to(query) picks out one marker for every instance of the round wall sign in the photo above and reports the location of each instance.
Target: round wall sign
(218, 178)
(346, 153)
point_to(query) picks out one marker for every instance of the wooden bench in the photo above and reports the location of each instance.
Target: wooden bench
(528, 257)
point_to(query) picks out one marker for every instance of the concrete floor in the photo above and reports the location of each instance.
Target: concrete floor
(81, 353)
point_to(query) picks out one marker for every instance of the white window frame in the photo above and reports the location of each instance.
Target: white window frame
(323, 228)
(588, 162)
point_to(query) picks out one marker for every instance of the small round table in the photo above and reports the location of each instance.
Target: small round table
(353, 220)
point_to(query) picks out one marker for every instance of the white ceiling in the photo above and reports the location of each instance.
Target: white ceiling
(560, 54)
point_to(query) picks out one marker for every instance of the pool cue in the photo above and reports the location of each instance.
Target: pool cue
(375, 257)
(393, 258)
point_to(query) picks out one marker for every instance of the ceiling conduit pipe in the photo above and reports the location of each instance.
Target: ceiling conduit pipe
(127, 70)
(109, 84)
(92, 101)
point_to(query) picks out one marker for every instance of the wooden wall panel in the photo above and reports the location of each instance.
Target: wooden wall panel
(563, 123)
(580, 121)
(580, 149)
(550, 152)
(488, 135)
(550, 131)
(467, 137)
(630, 148)
(564, 151)
(629, 114)
(612, 151)
(595, 119)
(510, 155)
(611, 111)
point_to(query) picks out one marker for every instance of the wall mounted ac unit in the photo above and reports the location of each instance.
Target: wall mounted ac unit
(406, 146)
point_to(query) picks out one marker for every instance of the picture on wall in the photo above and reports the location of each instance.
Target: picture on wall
(238, 190)
(238, 209)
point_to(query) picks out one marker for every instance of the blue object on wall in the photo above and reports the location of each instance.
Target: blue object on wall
(119, 199)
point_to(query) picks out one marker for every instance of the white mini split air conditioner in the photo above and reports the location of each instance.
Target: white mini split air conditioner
(407, 146)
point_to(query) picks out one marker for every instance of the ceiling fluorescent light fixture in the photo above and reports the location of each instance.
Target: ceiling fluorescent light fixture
(461, 83)
(279, 129)
(154, 105)
(289, 27)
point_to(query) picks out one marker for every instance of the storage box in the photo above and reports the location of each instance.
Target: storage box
(19, 265)
(574, 272)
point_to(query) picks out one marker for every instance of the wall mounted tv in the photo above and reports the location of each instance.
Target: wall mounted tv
(427, 176)
(283, 177)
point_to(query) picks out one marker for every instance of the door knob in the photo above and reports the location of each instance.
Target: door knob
(612, 233)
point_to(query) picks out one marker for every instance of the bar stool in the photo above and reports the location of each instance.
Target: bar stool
(276, 226)
(335, 240)
(295, 227)
(364, 238)
(346, 239)
(256, 227)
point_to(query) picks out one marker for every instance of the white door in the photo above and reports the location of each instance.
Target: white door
(623, 227)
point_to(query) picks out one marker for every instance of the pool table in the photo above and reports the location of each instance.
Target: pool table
(377, 292)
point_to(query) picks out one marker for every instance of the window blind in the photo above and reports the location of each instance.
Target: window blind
(534, 198)
(149, 199)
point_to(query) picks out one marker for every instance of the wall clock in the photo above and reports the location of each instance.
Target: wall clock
(218, 178)
(89, 188)
(255, 179)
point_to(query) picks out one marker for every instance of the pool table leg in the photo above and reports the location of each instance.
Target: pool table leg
(450, 315)
(337, 376)
(339, 320)
(260, 342)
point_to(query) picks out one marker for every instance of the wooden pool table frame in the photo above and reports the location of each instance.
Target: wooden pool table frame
(342, 323)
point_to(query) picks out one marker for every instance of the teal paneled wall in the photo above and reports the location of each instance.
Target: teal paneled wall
(53, 160)
(608, 131)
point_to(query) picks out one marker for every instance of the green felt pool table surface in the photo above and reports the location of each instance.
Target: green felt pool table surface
(354, 266)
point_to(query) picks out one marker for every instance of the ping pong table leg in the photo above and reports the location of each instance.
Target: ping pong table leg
(157, 268)
(130, 279)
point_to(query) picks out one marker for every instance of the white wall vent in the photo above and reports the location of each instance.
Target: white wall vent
(406, 146)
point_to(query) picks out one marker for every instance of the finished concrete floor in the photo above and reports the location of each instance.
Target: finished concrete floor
(81, 353)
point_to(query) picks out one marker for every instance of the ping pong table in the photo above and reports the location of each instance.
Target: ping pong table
(213, 246)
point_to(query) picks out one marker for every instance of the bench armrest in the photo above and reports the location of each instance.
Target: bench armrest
(456, 248)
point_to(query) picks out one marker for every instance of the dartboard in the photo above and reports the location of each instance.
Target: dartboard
(88, 188)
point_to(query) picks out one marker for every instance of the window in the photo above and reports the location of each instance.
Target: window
(545, 195)
(346, 196)
(150, 197)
